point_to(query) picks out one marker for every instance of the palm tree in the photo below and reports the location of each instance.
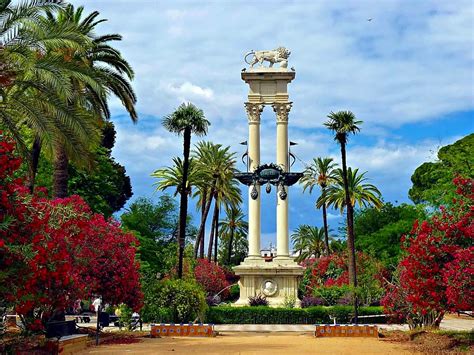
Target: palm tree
(360, 192)
(308, 241)
(343, 123)
(187, 119)
(321, 173)
(101, 62)
(218, 164)
(233, 224)
(35, 85)
(172, 176)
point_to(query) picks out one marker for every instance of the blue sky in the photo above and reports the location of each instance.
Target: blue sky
(407, 73)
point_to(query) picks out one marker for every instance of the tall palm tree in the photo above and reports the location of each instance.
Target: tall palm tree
(234, 223)
(102, 62)
(308, 241)
(186, 120)
(320, 173)
(360, 192)
(343, 123)
(218, 164)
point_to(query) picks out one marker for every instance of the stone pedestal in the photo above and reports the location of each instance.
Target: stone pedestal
(279, 278)
(276, 280)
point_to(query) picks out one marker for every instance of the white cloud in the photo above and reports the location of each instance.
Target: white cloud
(188, 91)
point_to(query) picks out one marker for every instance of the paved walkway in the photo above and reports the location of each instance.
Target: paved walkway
(242, 343)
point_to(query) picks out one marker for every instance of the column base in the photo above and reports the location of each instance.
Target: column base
(277, 280)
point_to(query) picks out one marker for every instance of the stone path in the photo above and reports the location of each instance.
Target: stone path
(255, 343)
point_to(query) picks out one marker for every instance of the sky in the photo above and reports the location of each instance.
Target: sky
(407, 74)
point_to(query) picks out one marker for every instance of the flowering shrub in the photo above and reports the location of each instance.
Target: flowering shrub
(53, 252)
(327, 277)
(211, 277)
(437, 273)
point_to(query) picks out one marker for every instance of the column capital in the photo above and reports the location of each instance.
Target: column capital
(282, 111)
(253, 112)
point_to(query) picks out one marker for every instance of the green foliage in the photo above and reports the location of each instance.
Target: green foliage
(332, 294)
(239, 249)
(234, 292)
(432, 182)
(152, 311)
(308, 241)
(379, 231)
(155, 227)
(360, 192)
(106, 188)
(289, 302)
(269, 315)
(125, 317)
(173, 301)
(185, 298)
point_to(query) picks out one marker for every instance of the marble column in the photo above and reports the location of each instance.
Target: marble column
(282, 110)
(254, 111)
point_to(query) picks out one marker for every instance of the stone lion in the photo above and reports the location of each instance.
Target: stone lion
(279, 55)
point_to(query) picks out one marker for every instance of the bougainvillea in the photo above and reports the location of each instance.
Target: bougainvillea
(328, 275)
(53, 252)
(211, 277)
(437, 272)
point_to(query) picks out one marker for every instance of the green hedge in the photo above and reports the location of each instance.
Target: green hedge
(268, 315)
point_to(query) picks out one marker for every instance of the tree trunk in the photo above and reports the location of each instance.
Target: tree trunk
(183, 206)
(200, 234)
(60, 174)
(213, 230)
(231, 240)
(326, 232)
(206, 206)
(350, 232)
(216, 234)
(35, 154)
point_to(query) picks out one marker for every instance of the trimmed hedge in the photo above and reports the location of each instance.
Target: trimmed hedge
(269, 315)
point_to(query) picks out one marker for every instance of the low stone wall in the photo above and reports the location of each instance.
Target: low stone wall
(346, 330)
(180, 330)
(70, 344)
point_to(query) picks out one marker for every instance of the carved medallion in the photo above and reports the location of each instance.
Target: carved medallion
(269, 288)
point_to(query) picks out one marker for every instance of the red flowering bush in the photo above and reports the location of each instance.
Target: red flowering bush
(437, 272)
(53, 252)
(211, 277)
(327, 277)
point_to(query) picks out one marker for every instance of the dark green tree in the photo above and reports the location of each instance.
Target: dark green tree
(379, 230)
(432, 181)
(155, 225)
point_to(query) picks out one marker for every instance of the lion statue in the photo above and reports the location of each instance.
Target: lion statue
(279, 55)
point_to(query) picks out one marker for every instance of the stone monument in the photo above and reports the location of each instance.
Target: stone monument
(278, 279)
